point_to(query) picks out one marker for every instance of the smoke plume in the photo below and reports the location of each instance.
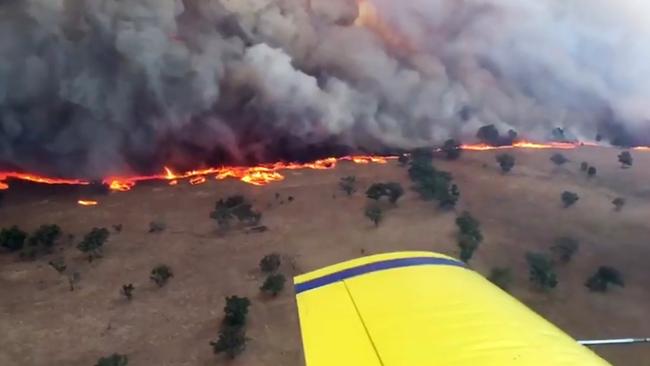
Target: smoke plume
(100, 87)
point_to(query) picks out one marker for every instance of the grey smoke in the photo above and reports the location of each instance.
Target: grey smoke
(103, 87)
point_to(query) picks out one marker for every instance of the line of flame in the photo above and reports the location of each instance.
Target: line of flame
(265, 173)
(87, 203)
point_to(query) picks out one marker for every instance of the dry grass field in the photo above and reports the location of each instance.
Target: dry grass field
(43, 323)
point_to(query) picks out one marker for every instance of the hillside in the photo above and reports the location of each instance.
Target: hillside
(44, 323)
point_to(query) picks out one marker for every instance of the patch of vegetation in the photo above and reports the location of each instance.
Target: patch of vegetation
(270, 263)
(157, 226)
(569, 198)
(470, 236)
(392, 190)
(113, 360)
(12, 239)
(592, 171)
(274, 284)
(565, 248)
(559, 159)
(348, 184)
(626, 160)
(58, 265)
(431, 183)
(127, 291)
(541, 270)
(506, 162)
(618, 203)
(235, 207)
(236, 311)
(489, 134)
(374, 213)
(502, 277)
(452, 149)
(161, 274)
(41, 241)
(584, 166)
(231, 341)
(93, 243)
(604, 277)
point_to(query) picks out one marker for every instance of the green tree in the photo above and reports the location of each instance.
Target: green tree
(489, 134)
(235, 207)
(93, 243)
(565, 248)
(13, 239)
(569, 198)
(559, 159)
(452, 149)
(506, 162)
(374, 214)
(127, 291)
(541, 270)
(501, 277)
(274, 284)
(618, 203)
(160, 274)
(41, 241)
(391, 190)
(236, 311)
(469, 237)
(625, 158)
(348, 184)
(270, 263)
(603, 277)
(113, 360)
(231, 341)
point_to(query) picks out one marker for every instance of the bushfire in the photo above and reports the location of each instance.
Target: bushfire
(259, 175)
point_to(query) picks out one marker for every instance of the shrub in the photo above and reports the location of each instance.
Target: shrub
(618, 203)
(541, 271)
(452, 149)
(270, 263)
(506, 162)
(113, 360)
(235, 207)
(231, 341)
(93, 243)
(374, 214)
(565, 248)
(584, 166)
(569, 198)
(42, 240)
(161, 274)
(157, 226)
(274, 284)
(559, 159)
(58, 265)
(348, 184)
(502, 277)
(468, 245)
(605, 276)
(13, 239)
(236, 311)
(468, 225)
(127, 291)
(592, 171)
(625, 158)
(392, 190)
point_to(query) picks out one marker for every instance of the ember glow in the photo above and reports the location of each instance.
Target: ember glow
(263, 174)
(87, 203)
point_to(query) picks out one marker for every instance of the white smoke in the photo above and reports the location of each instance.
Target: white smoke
(98, 87)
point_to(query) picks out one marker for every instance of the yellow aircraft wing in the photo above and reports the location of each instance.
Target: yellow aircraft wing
(422, 308)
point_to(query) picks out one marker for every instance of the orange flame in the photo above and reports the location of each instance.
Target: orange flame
(87, 203)
(265, 173)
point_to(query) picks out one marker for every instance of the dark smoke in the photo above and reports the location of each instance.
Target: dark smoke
(100, 87)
